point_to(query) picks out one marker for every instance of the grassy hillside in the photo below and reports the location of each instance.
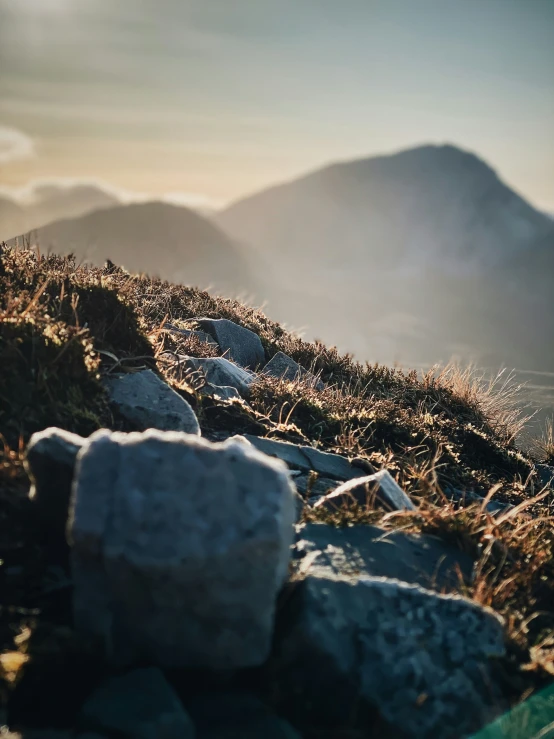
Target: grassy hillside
(62, 327)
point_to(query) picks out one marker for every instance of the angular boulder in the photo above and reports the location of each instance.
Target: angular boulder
(50, 461)
(138, 705)
(421, 659)
(284, 367)
(238, 343)
(381, 487)
(146, 401)
(179, 548)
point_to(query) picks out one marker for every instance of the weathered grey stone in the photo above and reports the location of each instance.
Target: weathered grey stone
(284, 367)
(50, 460)
(307, 458)
(148, 402)
(422, 659)
(187, 332)
(238, 343)
(236, 715)
(363, 551)
(223, 392)
(179, 548)
(220, 372)
(138, 705)
(382, 486)
(314, 489)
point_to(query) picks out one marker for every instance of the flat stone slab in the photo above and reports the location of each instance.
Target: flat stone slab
(380, 487)
(307, 458)
(138, 705)
(146, 401)
(366, 551)
(284, 367)
(238, 343)
(179, 548)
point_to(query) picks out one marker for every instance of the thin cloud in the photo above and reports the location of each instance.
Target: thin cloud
(14, 144)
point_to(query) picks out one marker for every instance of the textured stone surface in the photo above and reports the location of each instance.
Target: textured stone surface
(362, 551)
(421, 658)
(284, 367)
(148, 402)
(238, 343)
(138, 705)
(314, 489)
(220, 372)
(179, 548)
(381, 486)
(307, 458)
(50, 460)
(187, 333)
(236, 715)
(223, 392)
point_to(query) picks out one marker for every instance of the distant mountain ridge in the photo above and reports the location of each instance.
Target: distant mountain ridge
(167, 241)
(419, 206)
(413, 256)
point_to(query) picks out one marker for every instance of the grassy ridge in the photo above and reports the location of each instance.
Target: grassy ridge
(62, 326)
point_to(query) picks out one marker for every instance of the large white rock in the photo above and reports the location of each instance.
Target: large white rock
(179, 548)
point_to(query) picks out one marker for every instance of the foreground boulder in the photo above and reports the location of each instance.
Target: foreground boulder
(179, 548)
(419, 659)
(50, 459)
(238, 343)
(146, 401)
(138, 705)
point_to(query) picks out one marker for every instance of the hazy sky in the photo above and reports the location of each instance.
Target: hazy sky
(217, 98)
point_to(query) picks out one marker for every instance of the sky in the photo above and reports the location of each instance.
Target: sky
(209, 100)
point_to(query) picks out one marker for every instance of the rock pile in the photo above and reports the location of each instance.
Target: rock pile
(186, 560)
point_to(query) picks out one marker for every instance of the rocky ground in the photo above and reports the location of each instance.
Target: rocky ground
(210, 528)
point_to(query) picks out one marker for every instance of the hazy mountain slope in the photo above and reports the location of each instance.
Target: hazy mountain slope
(48, 202)
(165, 240)
(54, 202)
(409, 257)
(420, 205)
(12, 218)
